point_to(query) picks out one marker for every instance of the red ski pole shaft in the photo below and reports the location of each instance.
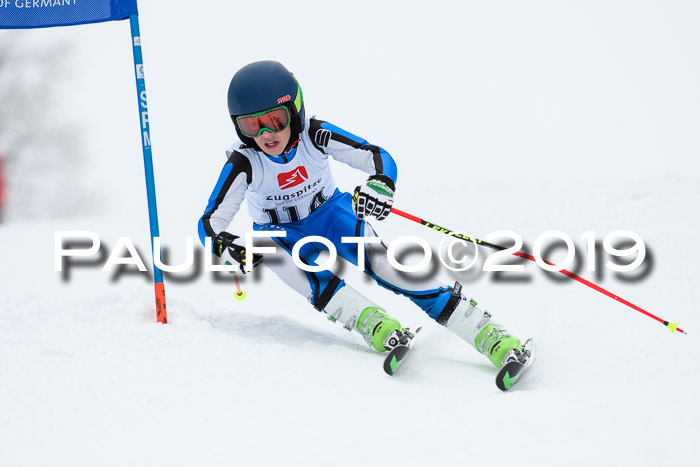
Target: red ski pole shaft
(671, 326)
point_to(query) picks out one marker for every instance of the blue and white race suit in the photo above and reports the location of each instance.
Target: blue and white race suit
(296, 192)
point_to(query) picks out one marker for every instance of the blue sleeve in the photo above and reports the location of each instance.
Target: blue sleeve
(226, 198)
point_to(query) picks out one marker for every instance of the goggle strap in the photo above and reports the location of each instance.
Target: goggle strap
(299, 99)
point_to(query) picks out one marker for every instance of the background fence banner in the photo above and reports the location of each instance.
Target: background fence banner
(26, 14)
(21, 14)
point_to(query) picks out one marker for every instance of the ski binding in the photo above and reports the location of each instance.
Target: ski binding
(513, 370)
(402, 345)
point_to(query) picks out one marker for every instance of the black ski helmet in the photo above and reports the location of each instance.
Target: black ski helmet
(263, 85)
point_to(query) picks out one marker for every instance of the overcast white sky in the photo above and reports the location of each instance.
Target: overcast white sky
(544, 90)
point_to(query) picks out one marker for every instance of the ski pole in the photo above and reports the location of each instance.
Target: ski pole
(671, 326)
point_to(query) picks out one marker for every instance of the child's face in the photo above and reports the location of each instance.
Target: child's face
(273, 144)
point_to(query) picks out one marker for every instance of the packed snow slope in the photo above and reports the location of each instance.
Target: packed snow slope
(527, 118)
(88, 377)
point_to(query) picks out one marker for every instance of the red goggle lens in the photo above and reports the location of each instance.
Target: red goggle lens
(272, 120)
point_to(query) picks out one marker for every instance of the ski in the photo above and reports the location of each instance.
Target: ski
(513, 371)
(398, 354)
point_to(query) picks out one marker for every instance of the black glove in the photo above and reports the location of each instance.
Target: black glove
(231, 253)
(374, 198)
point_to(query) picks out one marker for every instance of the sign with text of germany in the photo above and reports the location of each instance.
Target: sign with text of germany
(21, 14)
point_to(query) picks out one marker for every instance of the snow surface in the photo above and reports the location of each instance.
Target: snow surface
(575, 118)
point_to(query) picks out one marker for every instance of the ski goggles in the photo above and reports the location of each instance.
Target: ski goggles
(272, 120)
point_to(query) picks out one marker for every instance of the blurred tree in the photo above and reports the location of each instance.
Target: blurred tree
(41, 151)
(2, 190)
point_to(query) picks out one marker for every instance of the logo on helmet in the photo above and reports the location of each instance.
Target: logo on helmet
(284, 99)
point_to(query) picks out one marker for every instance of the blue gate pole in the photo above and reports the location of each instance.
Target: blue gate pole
(161, 314)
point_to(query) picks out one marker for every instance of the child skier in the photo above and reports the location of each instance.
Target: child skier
(282, 170)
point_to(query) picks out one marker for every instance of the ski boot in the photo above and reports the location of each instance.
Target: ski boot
(495, 342)
(380, 331)
(466, 320)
